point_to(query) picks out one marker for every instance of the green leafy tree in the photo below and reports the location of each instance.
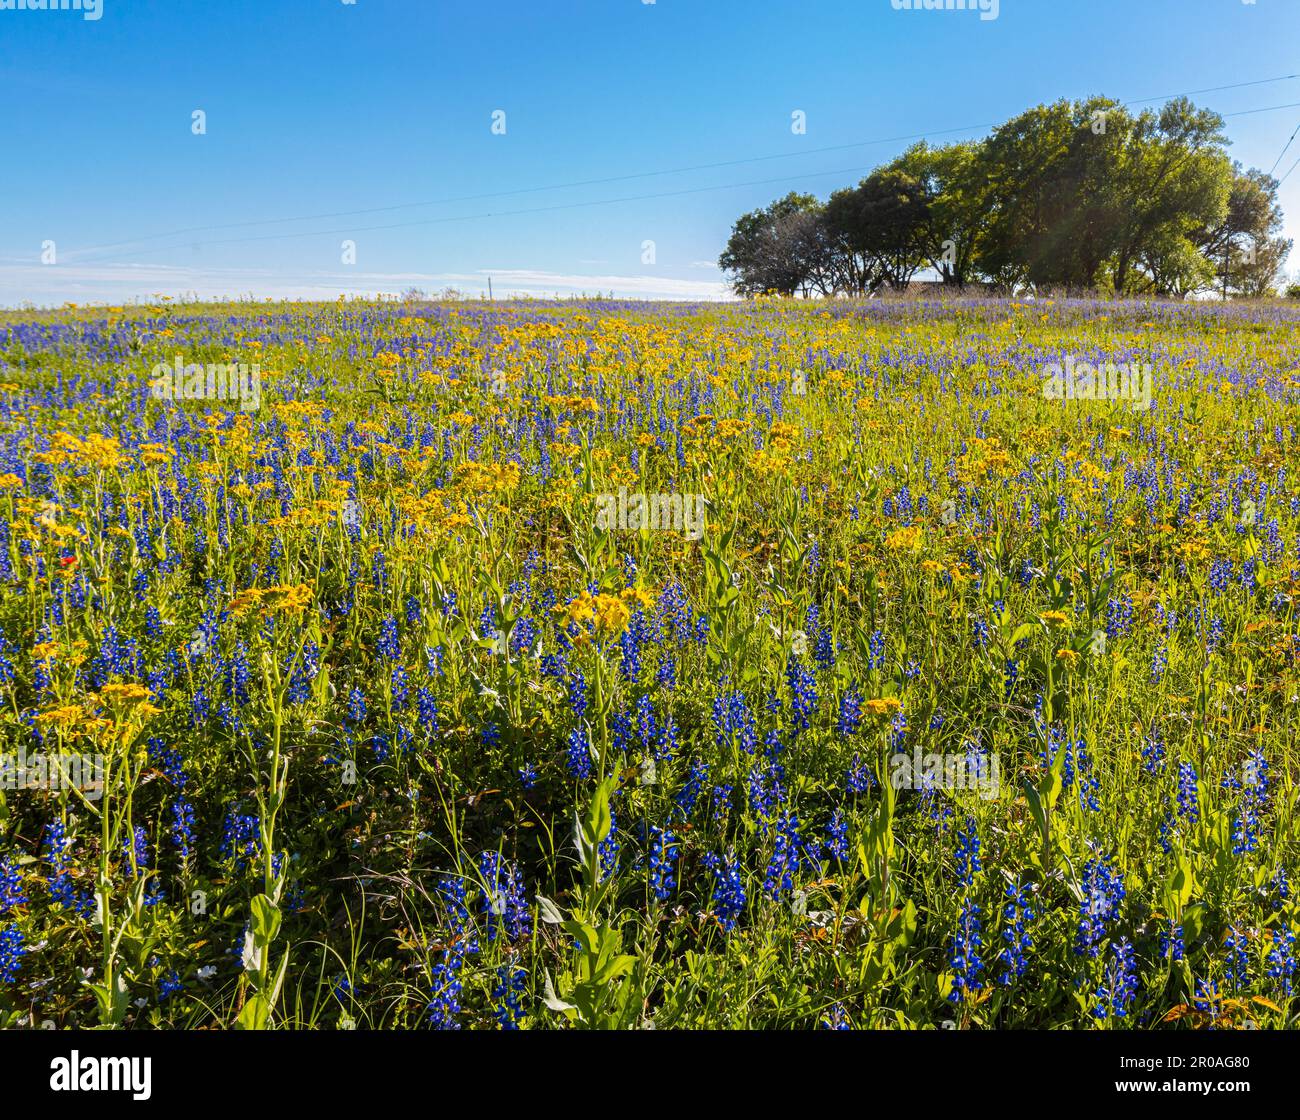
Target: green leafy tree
(768, 248)
(957, 198)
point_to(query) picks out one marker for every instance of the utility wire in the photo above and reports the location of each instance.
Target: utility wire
(1283, 151)
(77, 254)
(530, 210)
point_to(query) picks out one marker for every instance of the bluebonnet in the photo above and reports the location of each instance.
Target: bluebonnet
(1245, 829)
(1280, 963)
(666, 748)
(13, 947)
(399, 686)
(838, 830)
(504, 903)
(646, 727)
(453, 892)
(426, 708)
(876, 650)
(1220, 574)
(964, 956)
(968, 853)
(1171, 941)
(824, 649)
(1248, 574)
(663, 863)
(63, 890)
(803, 693)
(1215, 636)
(784, 862)
(1188, 804)
(356, 705)
(860, 779)
(1207, 998)
(1153, 753)
(764, 789)
(1016, 918)
(689, 794)
(506, 991)
(850, 717)
(1119, 982)
(1119, 616)
(236, 672)
(577, 689)
(733, 722)
(240, 837)
(389, 645)
(1159, 663)
(1103, 893)
(135, 850)
(609, 849)
(579, 754)
(1237, 960)
(446, 986)
(837, 1019)
(728, 899)
(169, 985)
(898, 730)
(11, 885)
(167, 760)
(720, 802)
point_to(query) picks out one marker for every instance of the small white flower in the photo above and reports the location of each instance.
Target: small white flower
(799, 644)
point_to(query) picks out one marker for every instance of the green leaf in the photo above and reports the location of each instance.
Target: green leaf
(255, 1013)
(266, 919)
(548, 911)
(550, 998)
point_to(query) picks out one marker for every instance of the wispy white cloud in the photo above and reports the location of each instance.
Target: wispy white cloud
(24, 282)
(532, 282)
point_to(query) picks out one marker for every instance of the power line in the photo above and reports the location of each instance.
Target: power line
(491, 214)
(75, 254)
(534, 190)
(1283, 151)
(536, 209)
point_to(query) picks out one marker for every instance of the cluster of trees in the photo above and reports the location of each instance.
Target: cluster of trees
(1075, 196)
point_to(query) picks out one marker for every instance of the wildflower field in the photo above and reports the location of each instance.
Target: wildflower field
(390, 705)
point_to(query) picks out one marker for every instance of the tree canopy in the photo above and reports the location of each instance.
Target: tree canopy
(1072, 196)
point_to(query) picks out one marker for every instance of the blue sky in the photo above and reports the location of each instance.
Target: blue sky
(319, 107)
